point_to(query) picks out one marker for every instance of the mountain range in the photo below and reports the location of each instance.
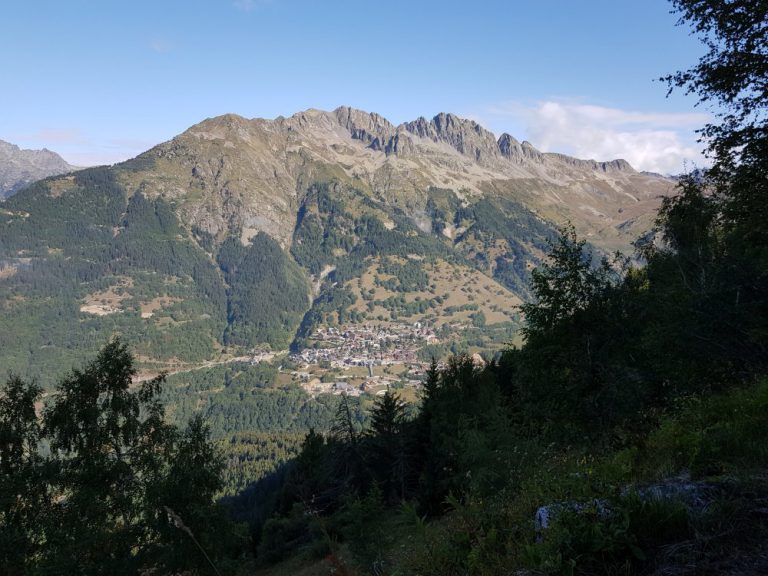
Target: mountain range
(251, 233)
(19, 168)
(262, 165)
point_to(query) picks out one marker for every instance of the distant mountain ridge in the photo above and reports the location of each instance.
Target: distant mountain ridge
(241, 234)
(19, 168)
(466, 136)
(265, 163)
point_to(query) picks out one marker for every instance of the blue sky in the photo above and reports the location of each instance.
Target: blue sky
(101, 81)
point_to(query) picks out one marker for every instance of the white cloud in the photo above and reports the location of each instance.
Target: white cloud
(654, 141)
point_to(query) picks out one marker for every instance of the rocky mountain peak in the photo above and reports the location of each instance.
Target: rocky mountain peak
(359, 120)
(369, 127)
(516, 152)
(319, 129)
(18, 167)
(619, 164)
(236, 176)
(531, 152)
(466, 136)
(510, 148)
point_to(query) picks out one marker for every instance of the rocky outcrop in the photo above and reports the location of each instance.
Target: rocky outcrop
(19, 168)
(695, 496)
(619, 165)
(516, 152)
(366, 127)
(465, 136)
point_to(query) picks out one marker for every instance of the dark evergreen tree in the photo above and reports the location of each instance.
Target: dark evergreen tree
(386, 451)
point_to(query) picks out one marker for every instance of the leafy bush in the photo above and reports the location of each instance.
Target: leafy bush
(720, 434)
(611, 538)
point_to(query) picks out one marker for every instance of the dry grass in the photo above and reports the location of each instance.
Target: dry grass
(7, 272)
(108, 301)
(148, 309)
(462, 285)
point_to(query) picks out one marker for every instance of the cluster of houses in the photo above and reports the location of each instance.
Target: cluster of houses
(356, 346)
(366, 345)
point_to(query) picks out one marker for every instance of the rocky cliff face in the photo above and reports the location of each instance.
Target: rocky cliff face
(18, 167)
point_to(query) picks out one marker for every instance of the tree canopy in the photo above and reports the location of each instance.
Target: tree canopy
(119, 491)
(732, 75)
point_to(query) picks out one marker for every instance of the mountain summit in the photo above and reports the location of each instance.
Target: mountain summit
(262, 166)
(19, 168)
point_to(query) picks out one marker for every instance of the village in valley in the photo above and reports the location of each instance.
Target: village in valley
(363, 358)
(360, 359)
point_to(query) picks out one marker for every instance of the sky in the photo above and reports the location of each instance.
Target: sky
(100, 81)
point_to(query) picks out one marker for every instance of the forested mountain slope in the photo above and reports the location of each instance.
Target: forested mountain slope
(241, 233)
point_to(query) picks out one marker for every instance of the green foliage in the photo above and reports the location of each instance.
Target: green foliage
(360, 524)
(249, 401)
(387, 454)
(121, 491)
(251, 456)
(408, 276)
(140, 163)
(611, 538)
(258, 425)
(726, 275)
(603, 525)
(495, 219)
(565, 285)
(323, 226)
(573, 376)
(37, 219)
(86, 240)
(267, 293)
(330, 236)
(329, 308)
(592, 375)
(24, 497)
(715, 435)
(281, 536)
(731, 75)
(454, 445)
(709, 287)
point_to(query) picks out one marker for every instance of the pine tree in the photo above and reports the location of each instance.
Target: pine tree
(387, 453)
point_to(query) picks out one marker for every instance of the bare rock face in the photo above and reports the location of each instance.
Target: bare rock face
(466, 136)
(619, 165)
(369, 128)
(510, 148)
(19, 168)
